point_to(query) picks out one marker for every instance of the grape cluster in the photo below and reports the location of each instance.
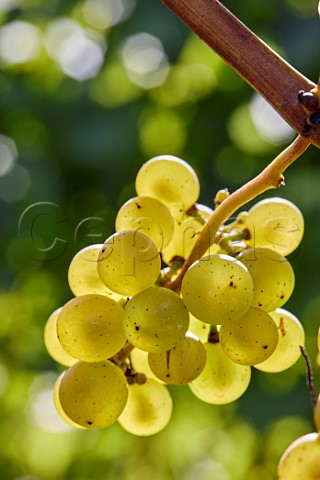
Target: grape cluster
(127, 333)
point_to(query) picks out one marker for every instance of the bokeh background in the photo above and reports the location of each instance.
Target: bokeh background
(89, 90)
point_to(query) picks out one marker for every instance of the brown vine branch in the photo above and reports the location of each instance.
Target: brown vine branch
(270, 177)
(260, 66)
(310, 379)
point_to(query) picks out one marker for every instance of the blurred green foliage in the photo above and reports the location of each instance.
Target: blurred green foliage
(89, 90)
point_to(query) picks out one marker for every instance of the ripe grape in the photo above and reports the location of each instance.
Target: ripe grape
(198, 328)
(180, 365)
(291, 337)
(170, 180)
(275, 223)
(222, 380)
(129, 262)
(250, 339)
(148, 216)
(301, 460)
(57, 404)
(217, 289)
(186, 227)
(272, 275)
(140, 363)
(52, 342)
(89, 327)
(155, 320)
(148, 409)
(93, 395)
(83, 274)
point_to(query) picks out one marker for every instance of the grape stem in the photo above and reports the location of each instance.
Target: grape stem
(260, 66)
(271, 177)
(310, 378)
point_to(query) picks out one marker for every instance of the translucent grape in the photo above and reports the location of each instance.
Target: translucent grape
(291, 336)
(222, 380)
(275, 223)
(180, 365)
(93, 395)
(170, 180)
(129, 262)
(83, 274)
(148, 216)
(217, 289)
(140, 363)
(301, 460)
(148, 409)
(57, 404)
(90, 327)
(186, 227)
(250, 339)
(198, 328)
(52, 342)
(155, 320)
(273, 277)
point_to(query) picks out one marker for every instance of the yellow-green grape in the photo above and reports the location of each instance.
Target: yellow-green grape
(57, 404)
(217, 289)
(275, 223)
(198, 328)
(148, 409)
(90, 327)
(129, 262)
(148, 216)
(180, 365)
(155, 320)
(273, 277)
(140, 363)
(318, 339)
(222, 380)
(93, 395)
(186, 228)
(291, 337)
(52, 342)
(170, 180)
(83, 274)
(301, 460)
(250, 339)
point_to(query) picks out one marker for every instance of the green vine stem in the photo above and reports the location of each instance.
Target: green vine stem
(271, 177)
(260, 66)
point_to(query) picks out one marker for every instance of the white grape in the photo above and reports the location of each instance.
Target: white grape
(155, 320)
(222, 380)
(301, 460)
(148, 409)
(180, 365)
(250, 339)
(89, 327)
(275, 223)
(148, 216)
(217, 289)
(291, 337)
(170, 180)
(93, 395)
(273, 277)
(129, 262)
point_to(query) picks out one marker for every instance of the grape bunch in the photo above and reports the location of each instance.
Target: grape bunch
(127, 333)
